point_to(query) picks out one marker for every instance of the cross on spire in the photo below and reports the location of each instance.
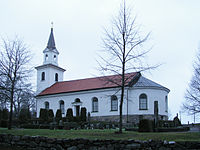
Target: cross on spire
(52, 24)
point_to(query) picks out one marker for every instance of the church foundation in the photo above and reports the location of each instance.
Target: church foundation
(131, 118)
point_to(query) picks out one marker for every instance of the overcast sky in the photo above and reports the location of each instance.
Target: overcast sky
(78, 29)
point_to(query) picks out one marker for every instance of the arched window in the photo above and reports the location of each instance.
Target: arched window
(166, 104)
(43, 76)
(62, 106)
(56, 77)
(46, 105)
(54, 57)
(94, 104)
(143, 102)
(46, 57)
(114, 103)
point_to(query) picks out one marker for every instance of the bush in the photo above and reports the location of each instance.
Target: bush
(44, 115)
(58, 115)
(69, 115)
(77, 119)
(5, 114)
(146, 125)
(50, 115)
(1, 114)
(44, 126)
(165, 123)
(71, 125)
(4, 123)
(24, 115)
(4, 118)
(174, 129)
(64, 119)
(83, 114)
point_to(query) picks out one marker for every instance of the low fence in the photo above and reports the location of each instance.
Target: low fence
(38, 142)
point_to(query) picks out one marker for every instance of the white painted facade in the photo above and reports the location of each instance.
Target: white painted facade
(50, 56)
(104, 101)
(50, 72)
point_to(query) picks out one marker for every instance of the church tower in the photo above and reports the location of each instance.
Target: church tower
(49, 73)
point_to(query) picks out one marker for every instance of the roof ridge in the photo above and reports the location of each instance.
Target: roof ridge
(95, 77)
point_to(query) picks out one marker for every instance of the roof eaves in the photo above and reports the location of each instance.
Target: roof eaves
(76, 91)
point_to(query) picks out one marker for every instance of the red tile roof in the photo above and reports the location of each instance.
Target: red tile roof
(87, 84)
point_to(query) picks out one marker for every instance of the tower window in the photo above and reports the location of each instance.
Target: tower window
(54, 57)
(43, 76)
(46, 57)
(56, 77)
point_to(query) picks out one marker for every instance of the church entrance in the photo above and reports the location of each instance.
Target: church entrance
(77, 104)
(77, 110)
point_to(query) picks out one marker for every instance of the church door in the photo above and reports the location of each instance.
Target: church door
(77, 110)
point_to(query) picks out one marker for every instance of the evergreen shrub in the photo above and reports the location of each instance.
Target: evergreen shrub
(69, 115)
(44, 115)
(83, 114)
(24, 115)
(58, 115)
(146, 125)
(50, 115)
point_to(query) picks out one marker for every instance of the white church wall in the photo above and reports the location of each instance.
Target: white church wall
(49, 57)
(152, 95)
(49, 78)
(104, 101)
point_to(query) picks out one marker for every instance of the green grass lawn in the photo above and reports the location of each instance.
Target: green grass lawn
(104, 134)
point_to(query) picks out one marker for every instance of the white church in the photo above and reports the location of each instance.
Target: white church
(100, 98)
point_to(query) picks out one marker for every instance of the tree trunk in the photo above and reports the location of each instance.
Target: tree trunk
(11, 109)
(123, 84)
(120, 107)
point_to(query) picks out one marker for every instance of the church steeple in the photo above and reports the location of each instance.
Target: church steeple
(50, 52)
(51, 42)
(49, 72)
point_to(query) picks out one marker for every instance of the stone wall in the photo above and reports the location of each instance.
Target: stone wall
(44, 143)
(131, 118)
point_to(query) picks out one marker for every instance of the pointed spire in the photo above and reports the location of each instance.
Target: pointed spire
(51, 42)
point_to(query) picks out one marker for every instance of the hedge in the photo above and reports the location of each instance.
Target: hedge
(146, 125)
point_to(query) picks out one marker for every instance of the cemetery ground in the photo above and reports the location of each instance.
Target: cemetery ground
(105, 134)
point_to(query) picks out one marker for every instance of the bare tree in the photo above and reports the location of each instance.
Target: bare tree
(24, 99)
(28, 100)
(122, 45)
(192, 96)
(14, 70)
